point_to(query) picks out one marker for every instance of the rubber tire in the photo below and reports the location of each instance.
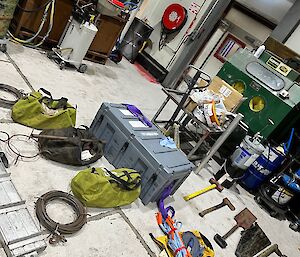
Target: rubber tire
(82, 68)
(274, 214)
(257, 199)
(294, 226)
(62, 65)
(50, 55)
(3, 48)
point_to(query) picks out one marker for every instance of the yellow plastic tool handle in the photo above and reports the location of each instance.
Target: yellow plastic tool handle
(200, 192)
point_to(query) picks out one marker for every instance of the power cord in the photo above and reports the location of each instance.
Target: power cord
(13, 149)
(36, 9)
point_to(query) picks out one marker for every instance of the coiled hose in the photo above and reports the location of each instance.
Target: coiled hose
(56, 228)
(50, 5)
(12, 90)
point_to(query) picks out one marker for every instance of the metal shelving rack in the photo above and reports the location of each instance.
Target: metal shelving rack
(182, 116)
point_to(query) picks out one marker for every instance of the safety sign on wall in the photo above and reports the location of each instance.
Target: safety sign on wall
(194, 8)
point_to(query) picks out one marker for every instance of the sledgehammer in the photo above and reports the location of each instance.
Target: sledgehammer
(225, 202)
(214, 185)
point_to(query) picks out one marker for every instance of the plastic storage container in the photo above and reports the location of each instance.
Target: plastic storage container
(262, 167)
(131, 144)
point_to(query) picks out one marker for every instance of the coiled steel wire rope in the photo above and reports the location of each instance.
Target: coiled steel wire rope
(58, 229)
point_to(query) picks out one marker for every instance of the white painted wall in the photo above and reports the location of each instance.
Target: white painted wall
(212, 65)
(258, 30)
(294, 41)
(248, 24)
(152, 11)
(273, 10)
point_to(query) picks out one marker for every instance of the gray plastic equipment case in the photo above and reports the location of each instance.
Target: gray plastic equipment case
(131, 144)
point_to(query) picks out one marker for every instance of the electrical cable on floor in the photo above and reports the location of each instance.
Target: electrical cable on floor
(57, 229)
(6, 134)
(13, 91)
(28, 42)
(14, 150)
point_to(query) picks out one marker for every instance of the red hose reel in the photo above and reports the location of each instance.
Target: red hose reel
(174, 18)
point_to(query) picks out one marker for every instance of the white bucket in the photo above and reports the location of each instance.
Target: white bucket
(247, 153)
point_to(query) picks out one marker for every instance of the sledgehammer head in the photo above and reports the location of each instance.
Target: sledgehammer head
(218, 186)
(229, 204)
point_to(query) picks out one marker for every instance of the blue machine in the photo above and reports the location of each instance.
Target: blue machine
(262, 168)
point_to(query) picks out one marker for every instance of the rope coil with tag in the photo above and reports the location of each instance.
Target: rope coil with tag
(57, 229)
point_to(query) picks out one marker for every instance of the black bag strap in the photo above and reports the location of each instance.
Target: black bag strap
(62, 103)
(130, 185)
(94, 171)
(46, 92)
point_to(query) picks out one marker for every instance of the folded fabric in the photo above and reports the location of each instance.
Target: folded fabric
(137, 113)
(168, 142)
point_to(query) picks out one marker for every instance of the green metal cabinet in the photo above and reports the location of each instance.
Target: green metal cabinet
(260, 80)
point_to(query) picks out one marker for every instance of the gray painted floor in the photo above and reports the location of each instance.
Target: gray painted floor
(125, 231)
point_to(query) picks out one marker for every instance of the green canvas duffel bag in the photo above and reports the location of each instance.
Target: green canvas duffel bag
(43, 112)
(97, 187)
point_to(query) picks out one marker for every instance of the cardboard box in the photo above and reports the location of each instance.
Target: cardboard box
(202, 83)
(231, 96)
(190, 105)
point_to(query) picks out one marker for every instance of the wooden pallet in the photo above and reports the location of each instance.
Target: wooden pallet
(96, 57)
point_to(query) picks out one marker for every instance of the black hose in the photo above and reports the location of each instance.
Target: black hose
(53, 226)
(36, 9)
(12, 90)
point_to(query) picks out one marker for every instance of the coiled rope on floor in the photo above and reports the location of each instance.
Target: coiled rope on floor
(11, 90)
(58, 229)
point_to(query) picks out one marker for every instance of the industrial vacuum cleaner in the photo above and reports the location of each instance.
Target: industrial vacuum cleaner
(81, 31)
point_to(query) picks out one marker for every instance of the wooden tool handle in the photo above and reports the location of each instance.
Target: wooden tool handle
(211, 209)
(200, 192)
(50, 137)
(231, 231)
(270, 250)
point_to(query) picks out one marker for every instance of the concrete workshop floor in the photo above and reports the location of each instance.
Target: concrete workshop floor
(125, 231)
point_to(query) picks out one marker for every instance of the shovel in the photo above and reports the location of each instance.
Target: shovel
(244, 219)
